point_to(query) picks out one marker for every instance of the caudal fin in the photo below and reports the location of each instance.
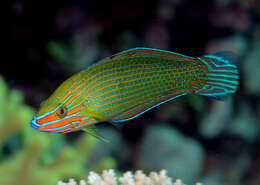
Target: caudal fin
(222, 78)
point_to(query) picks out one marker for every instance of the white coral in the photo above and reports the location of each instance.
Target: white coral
(94, 178)
(160, 178)
(139, 178)
(109, 177)
(127, 179)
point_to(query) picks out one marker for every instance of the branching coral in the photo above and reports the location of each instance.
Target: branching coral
(138, 178)
(38, 158)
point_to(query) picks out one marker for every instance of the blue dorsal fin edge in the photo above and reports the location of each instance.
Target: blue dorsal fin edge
(227, 57)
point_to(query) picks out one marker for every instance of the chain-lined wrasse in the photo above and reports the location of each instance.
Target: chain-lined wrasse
(127, 84)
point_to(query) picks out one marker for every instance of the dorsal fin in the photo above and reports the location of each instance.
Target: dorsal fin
(142, 51)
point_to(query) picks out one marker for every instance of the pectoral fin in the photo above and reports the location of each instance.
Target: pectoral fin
(93, 131)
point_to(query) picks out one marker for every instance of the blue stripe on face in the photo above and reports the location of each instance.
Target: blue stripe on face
(85, 118)
(85, 123)
(53, 129)
(76, 106)
(78, 84)
(67, 131)
(36, 127)
(62, 131)
(50, 112)
(55, 121)
(75, 122)
(34, 123)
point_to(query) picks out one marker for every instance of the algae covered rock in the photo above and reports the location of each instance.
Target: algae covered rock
(217, 118)
(165, 148)
(14, 114)
(252, 66)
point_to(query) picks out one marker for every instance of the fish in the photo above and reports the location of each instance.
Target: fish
(125, 85)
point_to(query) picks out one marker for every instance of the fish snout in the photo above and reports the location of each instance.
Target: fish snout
(34, 123)
(57, 126)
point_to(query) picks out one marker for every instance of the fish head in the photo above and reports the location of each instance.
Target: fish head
(64, 111)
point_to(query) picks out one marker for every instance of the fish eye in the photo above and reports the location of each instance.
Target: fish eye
(62, 112)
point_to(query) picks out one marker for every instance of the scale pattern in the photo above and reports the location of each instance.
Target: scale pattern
(127, 84)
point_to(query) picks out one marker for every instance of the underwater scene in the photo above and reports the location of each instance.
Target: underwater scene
(131, 92)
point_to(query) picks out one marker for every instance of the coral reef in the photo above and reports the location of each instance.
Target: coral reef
(128, 178)
(29, 157)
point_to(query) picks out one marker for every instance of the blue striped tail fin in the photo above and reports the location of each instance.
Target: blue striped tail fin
(222, 77)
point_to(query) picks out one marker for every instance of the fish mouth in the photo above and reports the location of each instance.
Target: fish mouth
(43, 128)
(34, 124)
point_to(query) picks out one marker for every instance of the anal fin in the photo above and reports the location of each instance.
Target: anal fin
(138, 109)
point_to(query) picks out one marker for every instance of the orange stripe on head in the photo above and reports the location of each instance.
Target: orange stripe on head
(72, 98)
(74, 110)
(62, 130)
(84, 123)
(71, 93)
(48, 118)
(62, 123)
